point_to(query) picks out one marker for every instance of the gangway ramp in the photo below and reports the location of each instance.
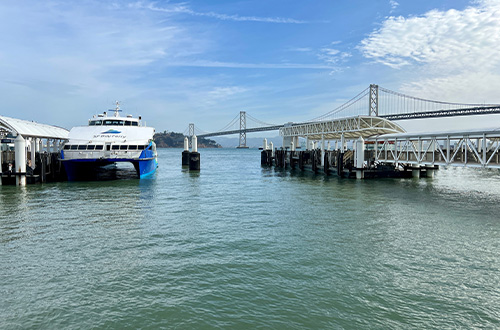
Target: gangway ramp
(469, 148)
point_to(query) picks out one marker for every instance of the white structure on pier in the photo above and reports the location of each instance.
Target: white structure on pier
(30, 136)
(473, 148)
(392, 145)
(349, 128)
(342, 129)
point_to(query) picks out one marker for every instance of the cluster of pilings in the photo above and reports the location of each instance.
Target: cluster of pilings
(357, 163)
(27, 163)
(191, 159)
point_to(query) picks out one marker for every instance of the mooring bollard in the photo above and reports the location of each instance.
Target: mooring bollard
(194, 156)
(185, 153)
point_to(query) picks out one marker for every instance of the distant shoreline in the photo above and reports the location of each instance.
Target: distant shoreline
(176, 140)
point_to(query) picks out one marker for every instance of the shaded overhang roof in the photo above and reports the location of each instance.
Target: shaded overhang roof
(32, 129)
(351, 128)
(475, 133)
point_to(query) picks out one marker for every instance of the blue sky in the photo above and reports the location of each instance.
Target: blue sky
(204, 61)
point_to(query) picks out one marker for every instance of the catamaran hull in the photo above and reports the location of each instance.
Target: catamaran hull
(145, 168)
(97, 169)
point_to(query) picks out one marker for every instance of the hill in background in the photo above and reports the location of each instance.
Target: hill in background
(176, 140)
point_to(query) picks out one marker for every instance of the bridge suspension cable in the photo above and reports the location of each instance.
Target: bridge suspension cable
(198, 131)
(342, 111)
(259, 122)
(231, 125)
(376, 100)
(391, 103)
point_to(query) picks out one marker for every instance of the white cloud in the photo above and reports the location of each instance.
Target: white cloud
(470, 37)
(333, 57)
(394, 4)
(468, 87)
(238, 65)
(330, 51)
(301, 49)
(442, 50)
(225, 92)
(182, 8)
(79, 43)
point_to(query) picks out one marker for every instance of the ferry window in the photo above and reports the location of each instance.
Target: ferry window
(123, 147)
(118, 122)
(66, 147)
(134, 123)
(128, 123)
(90, 147)
(99, 147)
(82, 147)
(140, 147)
(132, 147)
(115, 147)
(92, 123)
(108, 122)
(73, 147)
(98, 122)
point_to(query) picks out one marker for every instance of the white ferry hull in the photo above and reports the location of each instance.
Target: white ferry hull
(109, 140)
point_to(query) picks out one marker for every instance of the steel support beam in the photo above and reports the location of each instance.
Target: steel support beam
(191, 133)
(373, 110)
(243, 130)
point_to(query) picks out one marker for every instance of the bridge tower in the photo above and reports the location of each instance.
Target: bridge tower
(191, 133)
(373, 111)
(243, 130)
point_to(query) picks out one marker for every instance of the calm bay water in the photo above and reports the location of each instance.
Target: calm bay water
(239, 246)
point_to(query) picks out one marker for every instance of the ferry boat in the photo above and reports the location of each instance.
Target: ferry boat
(107, 140)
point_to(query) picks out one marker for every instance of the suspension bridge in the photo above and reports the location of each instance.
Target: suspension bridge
(373, 102)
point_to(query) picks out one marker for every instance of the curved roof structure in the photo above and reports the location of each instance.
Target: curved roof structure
(351, 128)
(32, 129)
(475, 133)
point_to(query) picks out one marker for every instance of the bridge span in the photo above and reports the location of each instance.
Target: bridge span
(374, 101)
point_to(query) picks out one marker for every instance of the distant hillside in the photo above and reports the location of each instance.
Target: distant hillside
(176, 140)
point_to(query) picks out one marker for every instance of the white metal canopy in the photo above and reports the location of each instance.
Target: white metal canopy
(32, 129)
(477, 133)
(351, 128)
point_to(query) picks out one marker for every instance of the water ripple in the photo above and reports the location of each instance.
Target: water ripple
(240, 246)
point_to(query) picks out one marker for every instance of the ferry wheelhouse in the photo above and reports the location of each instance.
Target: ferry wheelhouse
(108, 140)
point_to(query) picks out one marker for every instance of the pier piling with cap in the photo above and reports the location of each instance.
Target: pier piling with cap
(20, 150)
(185, 153)
(194, 156)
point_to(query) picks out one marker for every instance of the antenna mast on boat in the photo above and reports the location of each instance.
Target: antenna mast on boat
(117, 108)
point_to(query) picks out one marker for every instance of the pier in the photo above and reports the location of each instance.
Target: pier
(378, 153)
(29, 152)
(392, 155)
